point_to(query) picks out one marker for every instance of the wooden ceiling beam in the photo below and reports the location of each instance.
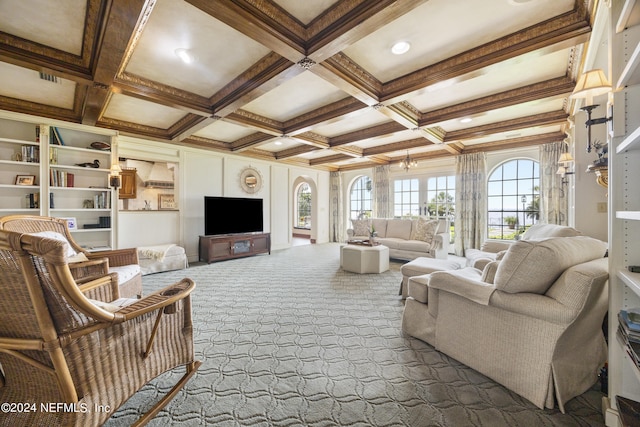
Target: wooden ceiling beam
(331, 113)
(515, 142)
(123, 22)
(543, 119)
(264, 22)
(384, 129)
(251, 141)
(269, 72)
(147, 90)
(573, 26)
(560, 86)
(335, 158)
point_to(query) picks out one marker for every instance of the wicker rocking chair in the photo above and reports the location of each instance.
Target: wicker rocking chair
(121, 261)
(86, 357)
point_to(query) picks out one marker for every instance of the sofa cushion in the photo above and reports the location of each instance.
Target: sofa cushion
(414, 245)
(539, 231)
(424, 230)
(361, 227)
(380, 226)
(71, 255)
(125, 272)
(399, 228)
(533, 265)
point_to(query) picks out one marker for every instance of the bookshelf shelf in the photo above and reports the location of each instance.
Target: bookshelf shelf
(56, 154)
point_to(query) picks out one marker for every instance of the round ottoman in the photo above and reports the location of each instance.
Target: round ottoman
(364, 259)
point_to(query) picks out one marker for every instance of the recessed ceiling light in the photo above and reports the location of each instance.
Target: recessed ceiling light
(400, 47)
(278, 143)
(466, 120)
(185, 55)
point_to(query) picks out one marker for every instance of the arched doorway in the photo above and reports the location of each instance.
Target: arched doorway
(304, 211)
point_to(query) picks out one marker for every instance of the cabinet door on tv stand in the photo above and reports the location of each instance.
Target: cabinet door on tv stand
(261, 244)
(220, 248)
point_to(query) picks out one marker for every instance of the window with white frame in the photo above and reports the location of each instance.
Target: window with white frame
(513, 198)
(441, 197)
(303, 206)
(440, 200)
(360, 202)
(406, 198)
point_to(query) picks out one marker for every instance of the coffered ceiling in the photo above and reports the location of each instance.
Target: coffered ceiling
(311, 83)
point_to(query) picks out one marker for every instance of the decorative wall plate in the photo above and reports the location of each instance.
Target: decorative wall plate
(250, 180)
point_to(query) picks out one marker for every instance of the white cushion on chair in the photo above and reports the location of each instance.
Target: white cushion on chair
(70, 253)
(125, 272)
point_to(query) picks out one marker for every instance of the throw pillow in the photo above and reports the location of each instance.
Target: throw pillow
(70, 254)
(425, 230)
(361, 227)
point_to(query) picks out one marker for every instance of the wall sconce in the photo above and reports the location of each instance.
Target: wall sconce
(114, 176)
(408, 163)
(564, 163)
(590, 84)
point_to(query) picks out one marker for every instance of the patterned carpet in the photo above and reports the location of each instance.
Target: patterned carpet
(289, 339)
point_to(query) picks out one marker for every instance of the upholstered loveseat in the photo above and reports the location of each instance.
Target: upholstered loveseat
(406, 239)
(491, 248)
(531, 321)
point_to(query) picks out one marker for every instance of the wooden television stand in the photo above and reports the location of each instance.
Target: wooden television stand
(228, 246)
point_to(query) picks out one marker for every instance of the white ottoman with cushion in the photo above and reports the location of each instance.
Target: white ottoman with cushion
(364, 259)
(421, 266)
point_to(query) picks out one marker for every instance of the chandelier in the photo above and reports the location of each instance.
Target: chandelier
(408, 163)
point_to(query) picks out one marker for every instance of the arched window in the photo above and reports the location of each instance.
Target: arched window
(303, 206)
(361, 200)
(513, 198)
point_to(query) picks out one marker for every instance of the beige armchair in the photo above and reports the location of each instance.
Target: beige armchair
(531, 322)
(492, 249)
(59, 347)
(83, 264)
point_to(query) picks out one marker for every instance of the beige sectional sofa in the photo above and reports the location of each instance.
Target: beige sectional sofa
(406, 239)
(531, 321)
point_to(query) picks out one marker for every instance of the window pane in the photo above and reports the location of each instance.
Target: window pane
(508, 215)
(360, 198)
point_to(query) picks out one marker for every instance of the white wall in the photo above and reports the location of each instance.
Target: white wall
(207, 173)
(588, 195)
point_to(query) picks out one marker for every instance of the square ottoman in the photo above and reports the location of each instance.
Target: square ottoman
(421, 266)
(364, 259)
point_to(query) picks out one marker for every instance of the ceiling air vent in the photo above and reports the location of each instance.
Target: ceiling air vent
(48, 77)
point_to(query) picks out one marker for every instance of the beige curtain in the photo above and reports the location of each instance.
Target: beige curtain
(471, 201)
(381, 205)
(336, 219)
(554, 203)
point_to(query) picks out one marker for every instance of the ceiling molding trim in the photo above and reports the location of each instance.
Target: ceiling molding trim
(544, 119)
(145, 89)
(326, 113)
(269, 72)
(568, 26)
(555, 87)
(383, 129)
(256, 121)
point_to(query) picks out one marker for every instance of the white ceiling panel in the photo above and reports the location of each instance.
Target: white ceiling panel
(297, 96)
(27, 84)
(442, 28)
(221, 53)
(136, 110)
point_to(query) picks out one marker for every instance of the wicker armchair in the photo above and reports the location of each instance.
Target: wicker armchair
(121, 261)
(57, 347)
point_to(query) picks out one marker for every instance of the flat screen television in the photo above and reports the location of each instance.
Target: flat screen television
(232, 215)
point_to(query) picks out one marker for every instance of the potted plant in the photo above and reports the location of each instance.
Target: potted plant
(511, 221)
